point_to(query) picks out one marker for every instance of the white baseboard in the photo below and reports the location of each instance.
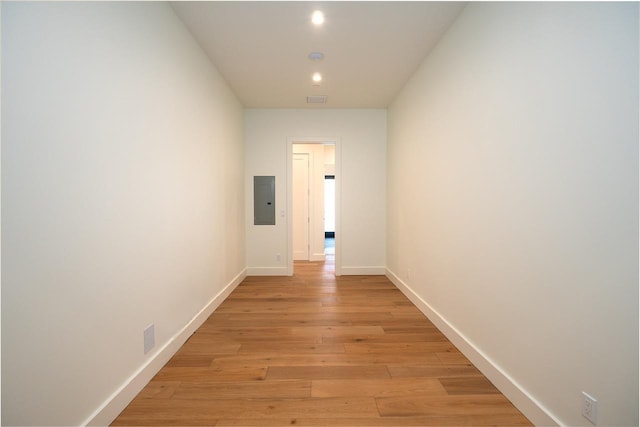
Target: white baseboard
(522, 400)
(119, 400)
(362, 271)
(267, 271)
(317, 257)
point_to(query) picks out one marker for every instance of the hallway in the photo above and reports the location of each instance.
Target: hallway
(315, 349)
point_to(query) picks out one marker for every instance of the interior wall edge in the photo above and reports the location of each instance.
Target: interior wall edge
(119, 400)
(519, 396)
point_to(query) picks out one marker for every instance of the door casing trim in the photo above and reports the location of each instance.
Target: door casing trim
(289, 156)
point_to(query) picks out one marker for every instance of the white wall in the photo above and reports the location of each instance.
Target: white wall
(122, 201)
(513, 199)
(362, 136)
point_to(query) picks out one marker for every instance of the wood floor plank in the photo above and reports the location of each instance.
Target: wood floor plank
(267, 338)
(324, 372)
(362, 309)
(295, 348)
(466, 386)
(166, 412)
(190, 361)
(337, 359)
(285, 389)
(309, 300)
(211, 410)
(246, 320)
(332, 331)
(198, 346)
(508, 420)
(453, 358)
(420, 347)
(159, 389)
(292, 307)
(409, 406)
(318, 350)
(426, 337)
(433, 371)
(407, 327)
(234, 373)
(377, 387)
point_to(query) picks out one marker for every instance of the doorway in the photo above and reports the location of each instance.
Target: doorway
(313, 208)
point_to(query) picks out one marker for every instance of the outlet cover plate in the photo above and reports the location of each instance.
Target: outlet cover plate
(149, 338)
(589, 407)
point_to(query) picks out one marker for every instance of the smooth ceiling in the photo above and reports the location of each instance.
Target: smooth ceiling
(371, 48)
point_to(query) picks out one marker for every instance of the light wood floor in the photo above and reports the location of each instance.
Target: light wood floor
(317, 350)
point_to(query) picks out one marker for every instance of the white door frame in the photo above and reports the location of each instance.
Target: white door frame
(313, 140)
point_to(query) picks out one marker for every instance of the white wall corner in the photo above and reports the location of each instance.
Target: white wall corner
(119, 400)
(527, 404)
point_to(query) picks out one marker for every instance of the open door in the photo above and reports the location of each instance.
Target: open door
(300, 190)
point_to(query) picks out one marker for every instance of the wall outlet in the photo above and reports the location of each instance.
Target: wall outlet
(277, 257)
(589, 408)
(408, 273)
(149, 338)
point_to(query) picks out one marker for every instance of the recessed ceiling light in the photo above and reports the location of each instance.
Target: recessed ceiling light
(317, 77)
(317, 18)
(316, 56)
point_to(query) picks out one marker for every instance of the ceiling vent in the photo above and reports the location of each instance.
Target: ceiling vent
(317, 99)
